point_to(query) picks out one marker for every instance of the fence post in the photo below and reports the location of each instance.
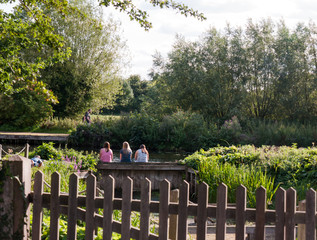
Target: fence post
(173, 218)
(14, 202)
(301, 229)
(26, 151)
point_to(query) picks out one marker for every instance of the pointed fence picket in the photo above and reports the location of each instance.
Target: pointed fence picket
(80, 207)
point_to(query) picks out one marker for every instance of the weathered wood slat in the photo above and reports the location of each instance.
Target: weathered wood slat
(241, 200)
(154, 208)
(126, 208)
(116, 226)
(202, 211)
(90, 207)
(221, 212)
(280, 208)
(285, 216)
(72, 210)
(145, 209)
(311, 214)
(164, 205)
(183, 211)
(55, 208)
(37, 209)
(260, 213)
(290, 212)
(143, 166)
(173, 218)
(108, 186)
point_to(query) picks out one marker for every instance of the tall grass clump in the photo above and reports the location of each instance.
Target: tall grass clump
(213, 171)
(267, 166)
(56, 124)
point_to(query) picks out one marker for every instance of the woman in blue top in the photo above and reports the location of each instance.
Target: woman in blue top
(125, 153)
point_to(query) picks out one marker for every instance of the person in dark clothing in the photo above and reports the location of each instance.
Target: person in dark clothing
(87, 117)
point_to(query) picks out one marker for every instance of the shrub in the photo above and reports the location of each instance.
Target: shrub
(76, 160)
(47, 151)
(27, 107)
(269, 166)
(179, 131)
(89, 135)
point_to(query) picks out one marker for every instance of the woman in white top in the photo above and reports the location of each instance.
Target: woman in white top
(142, 155)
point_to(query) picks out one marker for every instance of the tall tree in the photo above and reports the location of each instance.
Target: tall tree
(265, 71)
(36, 32)
(90, 75)
(261, 69)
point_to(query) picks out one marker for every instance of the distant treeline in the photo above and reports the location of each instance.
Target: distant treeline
(264, 71)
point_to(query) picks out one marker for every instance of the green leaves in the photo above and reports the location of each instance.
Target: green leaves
(264, 71)
(142, 16)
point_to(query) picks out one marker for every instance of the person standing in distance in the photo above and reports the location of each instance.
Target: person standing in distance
(87, 117)
(142, 155)
(125, 153)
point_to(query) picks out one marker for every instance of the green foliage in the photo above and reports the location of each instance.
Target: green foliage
(16, 38)
(62, 125)
(90, 135)
(268, 166)
(28, 107)
(47, 151)
(231, 129)
(131, 97)
(76, 160)
(180, 131)
(264, 71)
(142, 17)
(90, 76)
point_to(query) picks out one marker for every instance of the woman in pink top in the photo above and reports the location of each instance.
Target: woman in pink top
(106, 154)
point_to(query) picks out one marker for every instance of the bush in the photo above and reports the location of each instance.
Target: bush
(46, 151)
(269, 166)
(89, 135)
(77, 160)
(179, 131)
(27, 107)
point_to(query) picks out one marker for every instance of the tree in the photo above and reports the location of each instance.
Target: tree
(266, 71)
(197, 77)
(261, 69)
(132, 95)
(90, 75)
(140, 89)
(36, 32)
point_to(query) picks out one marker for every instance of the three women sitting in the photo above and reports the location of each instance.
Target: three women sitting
(141, 155)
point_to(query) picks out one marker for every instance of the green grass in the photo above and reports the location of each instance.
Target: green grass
(58, 125)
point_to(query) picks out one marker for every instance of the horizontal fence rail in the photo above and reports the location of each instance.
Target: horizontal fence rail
(284, 217)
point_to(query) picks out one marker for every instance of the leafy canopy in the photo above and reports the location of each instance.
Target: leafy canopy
(36, 32)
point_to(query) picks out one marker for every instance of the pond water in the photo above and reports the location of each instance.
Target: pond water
(154, 156)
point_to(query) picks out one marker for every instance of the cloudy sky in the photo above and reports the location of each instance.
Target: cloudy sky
(167, 23)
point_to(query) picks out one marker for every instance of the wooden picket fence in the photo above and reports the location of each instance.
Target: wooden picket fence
(285, 217)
